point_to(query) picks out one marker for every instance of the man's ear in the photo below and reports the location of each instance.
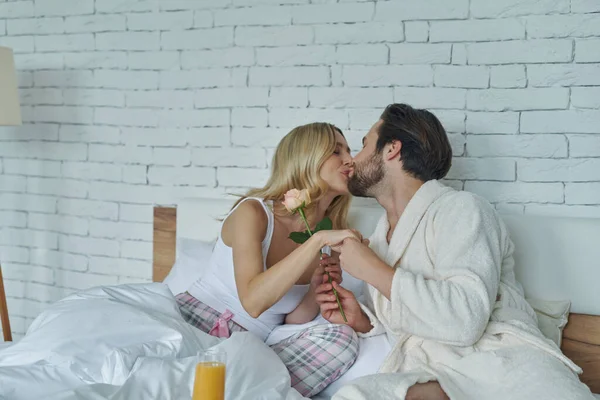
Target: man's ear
(392, 150)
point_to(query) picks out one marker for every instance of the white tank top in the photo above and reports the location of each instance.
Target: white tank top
(217, 288)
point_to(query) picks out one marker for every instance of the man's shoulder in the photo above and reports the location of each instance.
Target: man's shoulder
(458, 210)
(466, 213)
(464, 202)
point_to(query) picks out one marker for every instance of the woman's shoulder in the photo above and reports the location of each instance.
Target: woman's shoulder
(249, 216)
(252, 208)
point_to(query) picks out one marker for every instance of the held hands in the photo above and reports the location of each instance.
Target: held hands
(334, 238)
(357, 259)
(355, 254)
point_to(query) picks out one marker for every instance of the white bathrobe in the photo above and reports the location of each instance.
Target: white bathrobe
(457, 314)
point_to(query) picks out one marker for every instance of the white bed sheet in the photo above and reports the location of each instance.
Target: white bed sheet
(113, 342)
(129, 342)
(5, 345)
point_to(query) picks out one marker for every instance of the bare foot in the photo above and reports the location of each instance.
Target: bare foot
(426, 391)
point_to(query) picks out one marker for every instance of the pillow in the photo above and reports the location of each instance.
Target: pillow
(552, 317)
(192, 258)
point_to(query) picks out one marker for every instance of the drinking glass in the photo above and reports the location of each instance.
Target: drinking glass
(209, 382)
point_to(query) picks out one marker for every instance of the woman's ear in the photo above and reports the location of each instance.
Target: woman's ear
(392, 150)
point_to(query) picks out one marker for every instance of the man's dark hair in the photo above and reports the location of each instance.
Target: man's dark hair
(426, 153)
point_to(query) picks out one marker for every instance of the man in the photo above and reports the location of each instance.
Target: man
(440, 281)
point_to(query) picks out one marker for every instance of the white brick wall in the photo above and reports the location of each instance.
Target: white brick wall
(131, 103)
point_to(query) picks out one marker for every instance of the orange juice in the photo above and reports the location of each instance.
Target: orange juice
(209, 383)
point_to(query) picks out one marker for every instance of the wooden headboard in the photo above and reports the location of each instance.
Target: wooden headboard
(581, 336)
(164, 242)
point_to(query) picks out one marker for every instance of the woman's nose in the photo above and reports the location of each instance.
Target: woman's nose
(348, 160)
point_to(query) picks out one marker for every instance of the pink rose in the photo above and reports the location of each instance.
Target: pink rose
(295, 199)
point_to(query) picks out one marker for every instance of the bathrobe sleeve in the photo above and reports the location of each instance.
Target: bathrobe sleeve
(466, 249)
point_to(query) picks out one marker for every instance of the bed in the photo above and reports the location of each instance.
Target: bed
(129, 342)
(557, 260)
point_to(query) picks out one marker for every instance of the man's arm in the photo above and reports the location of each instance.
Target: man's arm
(455, 306)
(363, 325)
(380, 277)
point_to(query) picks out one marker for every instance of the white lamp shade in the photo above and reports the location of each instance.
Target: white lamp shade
(10, 112)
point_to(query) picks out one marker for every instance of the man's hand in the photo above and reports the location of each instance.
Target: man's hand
(356, 258)
(357, 235)
(330, 310)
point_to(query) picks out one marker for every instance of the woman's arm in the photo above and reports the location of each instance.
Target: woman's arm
(259, 289)
(306, 311)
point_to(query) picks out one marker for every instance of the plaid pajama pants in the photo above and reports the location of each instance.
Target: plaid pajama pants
(314, 357)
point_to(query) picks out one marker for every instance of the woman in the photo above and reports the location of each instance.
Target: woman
(259, 279)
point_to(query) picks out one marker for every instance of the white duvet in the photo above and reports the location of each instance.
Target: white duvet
(129, 342)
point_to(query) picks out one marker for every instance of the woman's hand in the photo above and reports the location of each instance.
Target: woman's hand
(329, 264)
(334, 238)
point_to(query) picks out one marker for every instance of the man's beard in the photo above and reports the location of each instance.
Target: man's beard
(366, 176)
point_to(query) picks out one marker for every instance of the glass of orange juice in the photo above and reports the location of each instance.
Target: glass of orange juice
(209, 382)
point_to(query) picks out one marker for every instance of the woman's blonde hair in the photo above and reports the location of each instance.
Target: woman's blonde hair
(296, 164)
